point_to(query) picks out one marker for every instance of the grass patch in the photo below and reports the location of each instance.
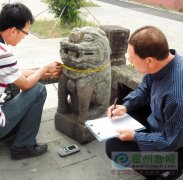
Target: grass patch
(53, 28)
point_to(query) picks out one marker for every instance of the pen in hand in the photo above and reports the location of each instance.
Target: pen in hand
(115, 102)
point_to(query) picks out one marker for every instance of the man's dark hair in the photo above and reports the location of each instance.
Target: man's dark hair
(149, 41)
(15, 15)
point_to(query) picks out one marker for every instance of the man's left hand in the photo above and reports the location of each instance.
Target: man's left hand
(126, 135)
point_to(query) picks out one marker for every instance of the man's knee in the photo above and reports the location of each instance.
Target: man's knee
(41, 91)
(108, 149)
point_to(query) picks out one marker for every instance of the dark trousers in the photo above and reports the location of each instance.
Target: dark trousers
(23, 115)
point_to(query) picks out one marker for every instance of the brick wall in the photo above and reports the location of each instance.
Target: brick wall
(170, 4)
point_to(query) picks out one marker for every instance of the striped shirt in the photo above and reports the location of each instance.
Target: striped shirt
(9, 72)
(164, 92)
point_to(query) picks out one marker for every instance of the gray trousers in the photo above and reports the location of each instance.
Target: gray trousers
(23, 114)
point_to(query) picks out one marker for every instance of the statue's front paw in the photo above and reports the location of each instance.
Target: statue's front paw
(95, 113)
(81, 120)
(63, 110)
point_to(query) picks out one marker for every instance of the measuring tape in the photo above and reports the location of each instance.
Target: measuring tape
(85, 70)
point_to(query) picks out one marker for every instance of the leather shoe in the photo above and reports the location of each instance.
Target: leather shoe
(28, 151)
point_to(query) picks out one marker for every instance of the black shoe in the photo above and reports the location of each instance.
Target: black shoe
(28, 151)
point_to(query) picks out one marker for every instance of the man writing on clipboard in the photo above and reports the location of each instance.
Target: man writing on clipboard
(161, 87)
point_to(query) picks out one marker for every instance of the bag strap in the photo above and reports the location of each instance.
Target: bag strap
(2, 40)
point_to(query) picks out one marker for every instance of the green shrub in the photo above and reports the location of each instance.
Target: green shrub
(71, 12)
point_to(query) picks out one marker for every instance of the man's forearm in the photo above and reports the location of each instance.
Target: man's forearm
(36, 76)
(25, 83)
(28, 72)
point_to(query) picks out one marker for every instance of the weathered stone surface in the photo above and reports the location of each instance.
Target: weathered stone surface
(118, 38)
(124, 80)
(125, 75)
(85, 84)
(68, 124)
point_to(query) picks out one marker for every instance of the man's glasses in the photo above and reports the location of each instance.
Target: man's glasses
(26, 33)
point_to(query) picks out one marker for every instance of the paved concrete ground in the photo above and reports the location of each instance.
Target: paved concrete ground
(91, 163)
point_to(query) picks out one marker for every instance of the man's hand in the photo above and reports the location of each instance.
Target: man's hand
(126, 135)
(53, 70)
(118, 111)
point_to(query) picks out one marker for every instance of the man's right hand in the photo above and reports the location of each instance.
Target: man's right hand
(53, 68)
(118, 111)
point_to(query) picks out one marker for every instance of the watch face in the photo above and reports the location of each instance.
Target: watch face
(71, 147)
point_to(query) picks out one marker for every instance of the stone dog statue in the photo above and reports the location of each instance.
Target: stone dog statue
(85, 84)
(86, 75)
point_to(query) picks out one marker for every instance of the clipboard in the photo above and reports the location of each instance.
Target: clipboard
(105, 128)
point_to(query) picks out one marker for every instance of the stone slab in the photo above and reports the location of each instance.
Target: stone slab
(68, 124)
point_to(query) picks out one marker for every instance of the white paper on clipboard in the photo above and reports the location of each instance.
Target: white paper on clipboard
(105, 128)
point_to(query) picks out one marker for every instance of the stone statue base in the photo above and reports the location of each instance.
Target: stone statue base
(68, 125)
